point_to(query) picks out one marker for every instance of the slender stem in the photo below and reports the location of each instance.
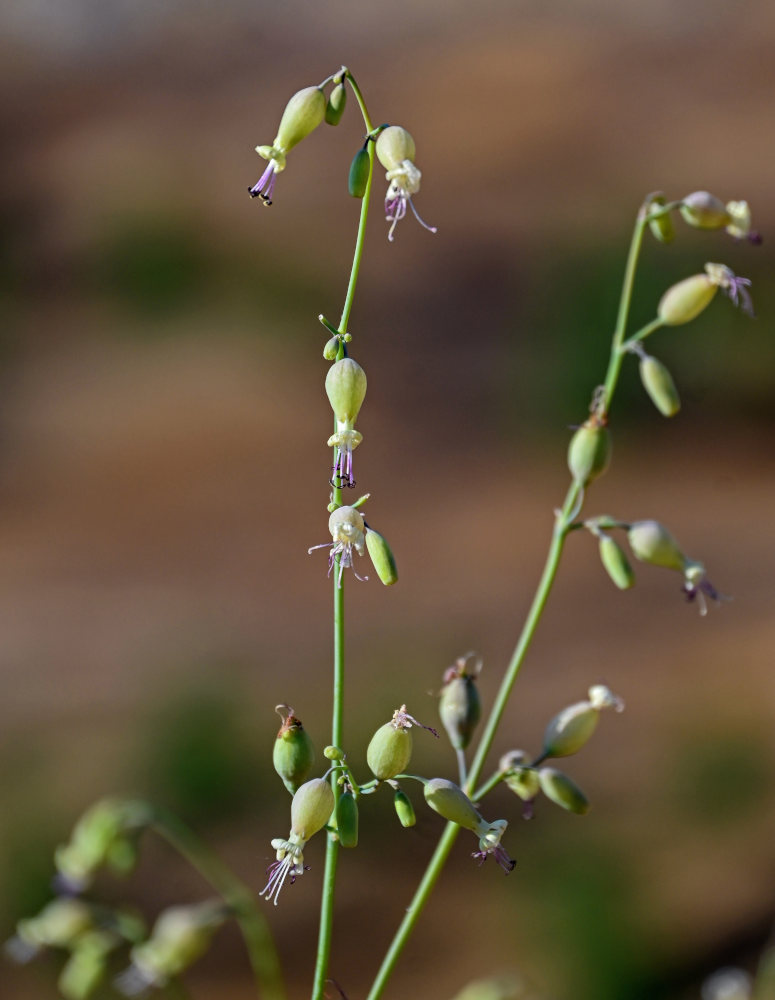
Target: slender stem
(254, 928)
(325, 932)
(645, 331)
(492, 781)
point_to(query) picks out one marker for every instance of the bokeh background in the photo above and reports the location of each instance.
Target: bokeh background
(163, 469)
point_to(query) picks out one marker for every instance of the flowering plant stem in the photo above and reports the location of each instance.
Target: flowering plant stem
(240, 900)
(562, 525)
(332, 841)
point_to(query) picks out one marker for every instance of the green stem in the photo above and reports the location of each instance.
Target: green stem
(254, 928)
(492, 781)
(645, 331)
(325, 932)
(563, 519)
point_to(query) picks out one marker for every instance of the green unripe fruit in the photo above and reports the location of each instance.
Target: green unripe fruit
(451, 802)
(302, 115)
(346, 389)
(347, 819)
(360, 169)
(523, 781)
(460, 709)
(331, 349)
(394, 145)
(311, 808)
(703, 210)
(570, 729)
(662, 227)
(685, 301)
(381, 557)
(293, 754)
(336, 104)
(562, 791)
(615, 563)
(589, 453)
(389, 751)
(404, 809)
(659, 384)
(651, 542)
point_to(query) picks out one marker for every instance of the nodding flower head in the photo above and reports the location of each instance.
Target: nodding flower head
(697, 587)
(396, 151)
(348, 532)
(451, 802)
(346, 390)
(311, 809)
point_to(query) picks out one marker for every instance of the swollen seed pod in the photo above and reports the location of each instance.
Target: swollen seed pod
(570, 729)
(651, 542)
(404, 809)
(459, 704)
(302, 115)
(703, 210)
(347, 819)
(381, 557)
(662, 228)
(451, 802)
(615, 563)
(293, 753)
(346, 389)
(336, 104)
(358, 178)
(562, 791)
(394, 145)
(684, 301)
(659, 384)
(389, 751)
(589, 452)
(311, 808)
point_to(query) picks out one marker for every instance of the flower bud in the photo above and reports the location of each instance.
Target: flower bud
(346, 389)
(589, 452)
(333, 753)
(303, 113)
(703, 210)
(684, 301)
(347, 819)
(451, 802)
(293, 754)
(404, 809)
(523, 781)
(87, 966)
(180, 936)
(661, 227)
(615, 563)
(659, 384)
(381, 557)
(336, 104)
(331, 349)
(389, 751)
(570, 729)
(562, 791)
(394, 145)
(459, 704)
(358, 179)
(651, 542)
(311, 808)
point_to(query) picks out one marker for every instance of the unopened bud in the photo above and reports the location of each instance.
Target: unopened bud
(451, 802)
(589, 452)
(394, 145)
(336, 104)
(404, 809)
(331, 349)
(570, 729)
(303, 113)
(659, 384)
(562, 791)
(347, 819)
(381, 557)
(333, 753)
(661, 227)
(684, 301)
(615, 563)
(459, 705)
(703, 210)
(358, 179)
(346, 389)
(311, 808)
(293, 754)
(652, 543)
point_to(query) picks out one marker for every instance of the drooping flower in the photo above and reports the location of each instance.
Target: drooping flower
(732, 286)
(348, 532)
(396, 151)
(346, 390)
(450, 801)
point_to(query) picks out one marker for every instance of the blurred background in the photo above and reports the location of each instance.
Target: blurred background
(163, 464)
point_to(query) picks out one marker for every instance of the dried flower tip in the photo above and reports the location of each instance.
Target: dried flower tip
(180, 936)
(736, 288)
(293, 754)
(337, 102)
(347, 530)
(615, 562)
(697, 586)
(396, 151)
(360, 169)
(382, 557)
(562, 791)
(602, 697)
(589, 452)
(740, 226)
(659, 384)
(703, 210)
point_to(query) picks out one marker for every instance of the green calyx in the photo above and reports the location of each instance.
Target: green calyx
(381, 557)
(652, 543)
(659, 384)
(615, 563)
(451, 802)
(337, 102)
(570, 729)
(346, 389)
(293, 753)
(704, 210)
(404, 809)
(685, 300)
(311, 808)
(562, 791)
(589, 452)
(394, 145)
(389, 751)
(661, 227)
(459, 704)
(302, 115)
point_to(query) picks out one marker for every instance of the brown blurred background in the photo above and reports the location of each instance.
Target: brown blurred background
(162, 463)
